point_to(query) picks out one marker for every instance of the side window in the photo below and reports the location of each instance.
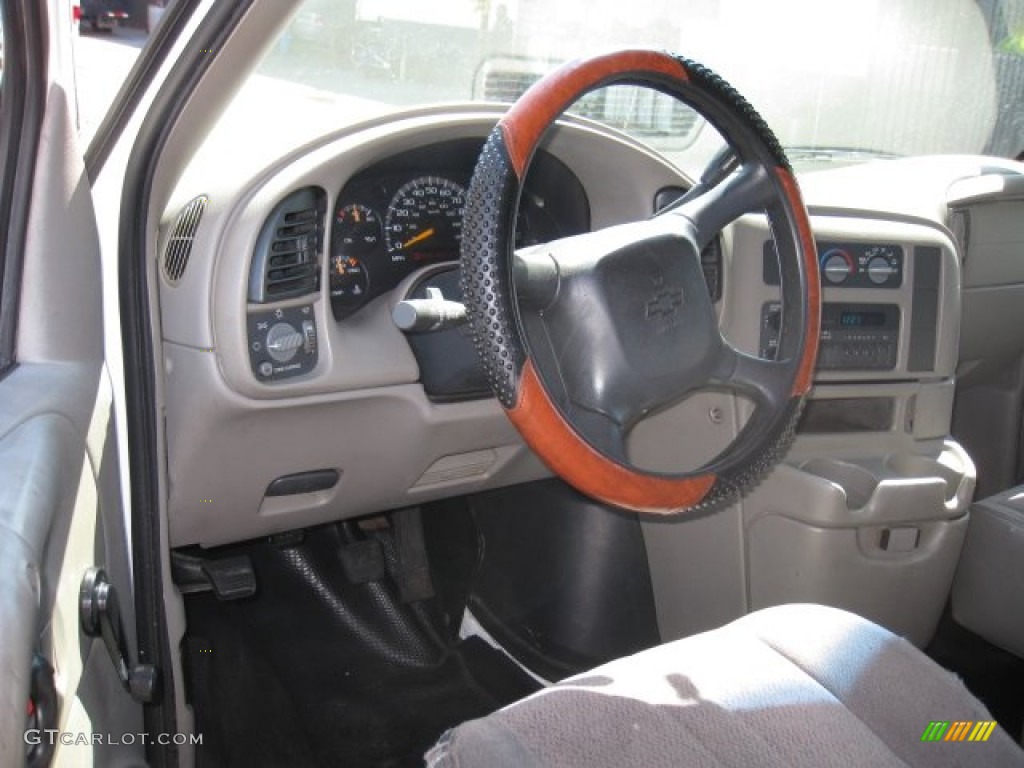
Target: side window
(1005, 19)
(107, 38)
(22, 102)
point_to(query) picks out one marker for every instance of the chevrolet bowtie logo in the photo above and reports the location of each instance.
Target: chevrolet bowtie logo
(665, 303)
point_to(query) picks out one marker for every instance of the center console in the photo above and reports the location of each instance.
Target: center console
(869, 510)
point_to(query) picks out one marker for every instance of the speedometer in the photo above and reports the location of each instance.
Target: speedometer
(424, 220)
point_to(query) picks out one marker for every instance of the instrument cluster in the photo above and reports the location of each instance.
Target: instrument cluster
(406, 212)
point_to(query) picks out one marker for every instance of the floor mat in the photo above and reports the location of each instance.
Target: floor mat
(993, 675)
(315, 670)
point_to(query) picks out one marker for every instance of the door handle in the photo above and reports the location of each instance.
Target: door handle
(100, 615)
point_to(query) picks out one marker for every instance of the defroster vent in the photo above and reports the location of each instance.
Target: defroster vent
(641, 112)
(179, 245)
(286, 260)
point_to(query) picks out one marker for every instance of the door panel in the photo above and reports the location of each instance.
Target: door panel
(60, 507)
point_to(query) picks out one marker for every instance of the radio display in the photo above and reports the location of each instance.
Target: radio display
(861, 319)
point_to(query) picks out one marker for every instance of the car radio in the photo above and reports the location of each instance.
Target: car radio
(853, 336)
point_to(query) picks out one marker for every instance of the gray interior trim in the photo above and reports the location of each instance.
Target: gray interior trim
(990, 567)
(996, 185)
(992, 333)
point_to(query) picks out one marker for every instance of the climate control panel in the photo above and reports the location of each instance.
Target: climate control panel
(282, 342)
(849, 265)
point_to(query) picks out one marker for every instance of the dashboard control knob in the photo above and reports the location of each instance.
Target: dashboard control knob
(283, 342)
(879, 270)
(836, 266)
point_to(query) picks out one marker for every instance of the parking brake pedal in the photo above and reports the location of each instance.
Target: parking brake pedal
(230, 578)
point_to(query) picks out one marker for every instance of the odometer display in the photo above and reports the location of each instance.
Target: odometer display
(424, 220)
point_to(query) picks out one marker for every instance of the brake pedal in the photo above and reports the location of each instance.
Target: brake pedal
(229, 578)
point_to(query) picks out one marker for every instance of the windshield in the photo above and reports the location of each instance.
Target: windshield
(835, 79)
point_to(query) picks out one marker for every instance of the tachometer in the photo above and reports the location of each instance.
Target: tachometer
(424, 220)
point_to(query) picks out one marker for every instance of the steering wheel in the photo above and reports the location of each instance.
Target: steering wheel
(583, 337)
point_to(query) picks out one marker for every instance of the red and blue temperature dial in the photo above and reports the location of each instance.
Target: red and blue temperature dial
(837, 265)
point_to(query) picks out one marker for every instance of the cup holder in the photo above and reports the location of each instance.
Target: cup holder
(895, 487)
(910, 465)
(855, 481)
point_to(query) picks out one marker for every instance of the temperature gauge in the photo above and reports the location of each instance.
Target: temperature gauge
(356, 229)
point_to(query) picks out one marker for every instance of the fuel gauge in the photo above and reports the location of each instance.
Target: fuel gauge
(349, 284)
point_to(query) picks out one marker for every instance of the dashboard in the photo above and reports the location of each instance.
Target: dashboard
(291, 392)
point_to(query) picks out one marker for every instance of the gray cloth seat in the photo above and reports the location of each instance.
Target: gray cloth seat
(796, 685)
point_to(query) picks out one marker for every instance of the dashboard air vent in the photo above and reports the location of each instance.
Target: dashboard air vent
(286, 261)
(179, 245)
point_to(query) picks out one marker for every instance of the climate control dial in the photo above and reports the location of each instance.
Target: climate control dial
(837, 265)
(880, 270)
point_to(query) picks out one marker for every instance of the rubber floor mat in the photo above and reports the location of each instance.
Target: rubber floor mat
(314, 670)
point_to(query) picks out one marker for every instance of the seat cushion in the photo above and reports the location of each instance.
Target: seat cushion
(795, 685)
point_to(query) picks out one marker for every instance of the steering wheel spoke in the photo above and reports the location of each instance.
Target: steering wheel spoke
(745, 190)
(766, 382)
(604, 432)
